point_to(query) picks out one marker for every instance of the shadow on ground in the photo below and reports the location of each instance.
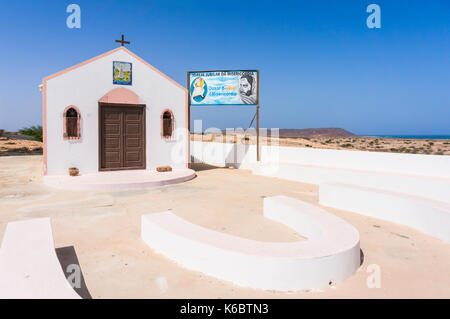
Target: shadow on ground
(198, 167)
(67, 257)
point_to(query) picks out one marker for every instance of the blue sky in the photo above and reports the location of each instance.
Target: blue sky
(320, 66)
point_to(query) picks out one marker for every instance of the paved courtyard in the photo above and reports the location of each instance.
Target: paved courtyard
(104, 228)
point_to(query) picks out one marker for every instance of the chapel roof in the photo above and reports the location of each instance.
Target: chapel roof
(106, 54)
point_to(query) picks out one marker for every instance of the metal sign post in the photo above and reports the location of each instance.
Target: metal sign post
(257, 133)
(258, 158)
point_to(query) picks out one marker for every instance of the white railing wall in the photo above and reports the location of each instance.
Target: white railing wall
(239, 155)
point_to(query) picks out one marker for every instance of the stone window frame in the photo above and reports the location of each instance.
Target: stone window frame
(65, 133)
(172, 117)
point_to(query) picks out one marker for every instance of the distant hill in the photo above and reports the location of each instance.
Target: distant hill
(316, 132)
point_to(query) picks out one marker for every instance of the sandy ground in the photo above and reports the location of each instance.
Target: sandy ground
(22, 145)
(104, 227)
(359, 143)
(19, 145)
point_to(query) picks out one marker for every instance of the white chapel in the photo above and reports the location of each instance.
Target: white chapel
(113, 112)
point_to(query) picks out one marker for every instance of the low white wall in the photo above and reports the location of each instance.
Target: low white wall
(420, 186)
(419, 175)
(331, 253)
(222, 154)
(413, 164)
(430, 217)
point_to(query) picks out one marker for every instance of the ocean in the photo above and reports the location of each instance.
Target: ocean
(419, 137)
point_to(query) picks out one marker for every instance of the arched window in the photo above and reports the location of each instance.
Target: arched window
(167, 125)
(72, 123)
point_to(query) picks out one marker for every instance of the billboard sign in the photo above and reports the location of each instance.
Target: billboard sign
(223, 87)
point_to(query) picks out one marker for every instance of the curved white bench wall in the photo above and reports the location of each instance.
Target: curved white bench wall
(429, 216)
(29, 267)
(331, 253)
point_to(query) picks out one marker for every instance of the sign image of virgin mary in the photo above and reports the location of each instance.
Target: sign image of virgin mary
(122, 73)
(247, 89)
(199, 90)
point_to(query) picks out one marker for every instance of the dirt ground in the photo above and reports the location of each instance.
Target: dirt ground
(22, 145)
(358, 143)
(104, 228)
(19, 145)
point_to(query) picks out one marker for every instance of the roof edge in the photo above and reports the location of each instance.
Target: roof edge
(106, 54)
(54, 75)
(154, 69)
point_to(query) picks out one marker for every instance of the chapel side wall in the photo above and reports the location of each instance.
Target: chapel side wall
(84, 87)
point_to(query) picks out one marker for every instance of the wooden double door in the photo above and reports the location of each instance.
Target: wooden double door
(122, 137)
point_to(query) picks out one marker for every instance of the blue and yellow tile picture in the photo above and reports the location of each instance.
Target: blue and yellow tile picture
(122, 73)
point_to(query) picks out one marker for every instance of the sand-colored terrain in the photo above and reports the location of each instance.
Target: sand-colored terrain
(15, 144)
(22, 145)
(373, 144)
(104, 228)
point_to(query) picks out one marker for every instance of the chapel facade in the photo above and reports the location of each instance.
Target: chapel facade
(113, 112)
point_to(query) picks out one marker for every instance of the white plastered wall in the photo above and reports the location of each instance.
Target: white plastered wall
(222, 154)
(84, 87)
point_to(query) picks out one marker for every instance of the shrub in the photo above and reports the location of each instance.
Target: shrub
(33, 131)
(347, 145)
(2, 132)
(19, 150)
